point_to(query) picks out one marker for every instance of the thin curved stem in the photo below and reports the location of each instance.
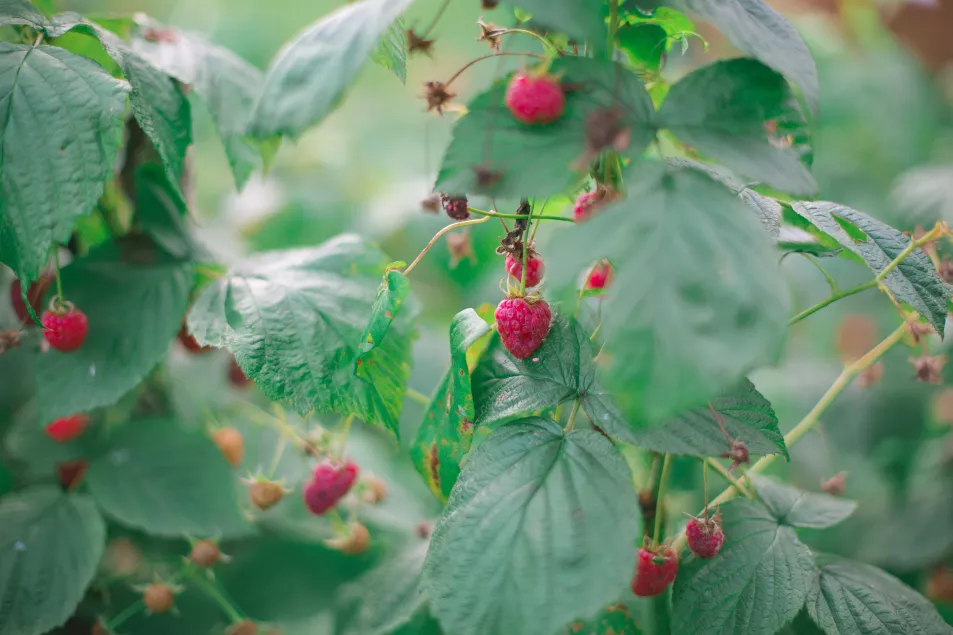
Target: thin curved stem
(483, 212)
(486, 57)
(59, 284)
(727, 476)
(870, 284)
(125, 614)
(211, 589)
(437, 236)
(417, 397)
(660, 498)
(830, 280)
(436, 18)
(539, 37)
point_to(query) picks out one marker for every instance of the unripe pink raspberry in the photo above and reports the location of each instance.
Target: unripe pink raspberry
(705, 536)
(328, 485)
(586, 203)
(523, 325)
(535, 98)
(600, 277)
(534, 268)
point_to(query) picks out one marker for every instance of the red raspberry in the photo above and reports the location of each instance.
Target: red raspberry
(586, 203)
(190, 343)
(68, 428)
(601, 276)
(329, 484)
(654, 571)
(522, 326)
(236, 375)
(535, 98)
(534, 268)
(65, 329)
(70, 473)
(34, 294)
(455, 206)
(705, 536)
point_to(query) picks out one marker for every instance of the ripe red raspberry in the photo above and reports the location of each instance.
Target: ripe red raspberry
(585, 205)
(236, 376)
(455, 206)
(535, 98)
(231, 443)
(534, 268)
(65, 329)
(190, 343)
(654, 571)
(705, 536)
(68, 428)
(329, 484)
(522, 326)
(601, 276)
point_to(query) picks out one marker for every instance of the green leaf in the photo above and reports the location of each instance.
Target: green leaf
(21, 12)
(443, 438)
(310, 75)
(698, 300)
(134, 312)
(224, 81)
(582, 20)
(390, 297)
(757, 583)
(914, 281)
(721, 110)
(391, 52)
(162, 214)
(613, 620)
(51, 543)
(853, 598)
(293, 320)
(798, 508)
(747, 416)
(539, 530)
(924, 193)
(158, 477)
(761, 32)
(64, 127)
(562, 369)
(539, 160)
(644, 44)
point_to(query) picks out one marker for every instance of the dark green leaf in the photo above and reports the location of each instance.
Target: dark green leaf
(390, 297)
(51, 544)
(852, 598)
(224, 81)
(747, 416)
(756, 584)
(761, 32)
(162, 214)
(539, 160)
(798, 508)
(714, 306)
(310, 75)
(158, 477)
(64, 127)
(391, 51)
(293, 320)
(613, 620)
(539, 530)
(645, 44)
(21, 12)
(722, 109)
(443, 438)
(134, 312)
(584, 21)
(913, 281)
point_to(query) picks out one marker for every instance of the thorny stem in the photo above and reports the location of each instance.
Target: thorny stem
(811, 418)
(437, 236)
(486, 57)
(343, 435)
(276, 459)
(571, 423)
(483, 212)
(525, 251)
(660, 497)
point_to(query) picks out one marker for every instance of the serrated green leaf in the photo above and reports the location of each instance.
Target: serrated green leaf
(714, 306)
(51, 544)
(798, 508)
(756, 584)
(391, 52)
(722, 109)
(63, 128)
(162, 213)
(443, 438)
(853, 598)
(539, 160)
(224, 81)
(913, 281)
(758, 30)
(612, 620)
(21, 12)
(391, 295)
(310, 75)
(293, 320)
(134, 312)
(160, 478)
(582, 20)
(644, 44)
(747, 416)
(539, 530)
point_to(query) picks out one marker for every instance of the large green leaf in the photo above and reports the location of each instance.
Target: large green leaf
(310, 75)
(394, 290)
(758, 30)
(756, 584)
(698, 299)
(293, 319)
(721, 110)
(540, 529)
(391, 52)
(160, 478)
(134, 312)
(746, 414)
(21, 12)
(562, 369)
(853, 598)
(613, 620)
(913, 281)
(443, 438)
(59, 138)
(584, 21)
(224, 81)
(163, 214)
(51, 544)
(798, 508)
(539, 160)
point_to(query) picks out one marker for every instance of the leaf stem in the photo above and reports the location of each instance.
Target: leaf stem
(870, 284)
(436, 18)
(124, 615)
(660, 497)
(417, 397)
(830, 280)
(211, 589)
(571, 422)
(546, 43)
(486, 57)
(436, 237)
(59, 284)
(727, 476)
(482, 212)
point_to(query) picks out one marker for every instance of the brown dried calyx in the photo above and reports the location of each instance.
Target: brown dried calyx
(738, 454)
(512, 243)
(491, 34)
(927, 367)
(417, 42)
(437, 96)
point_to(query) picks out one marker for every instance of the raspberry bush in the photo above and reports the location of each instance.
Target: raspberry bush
(199, 441)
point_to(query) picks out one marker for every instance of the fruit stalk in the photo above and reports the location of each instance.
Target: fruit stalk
(659, 499)
(436, 237)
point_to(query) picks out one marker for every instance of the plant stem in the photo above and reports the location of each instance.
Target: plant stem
(436, 18)
(486, 57)
(660, 497)
(571, 423)
(417, 397)
(727, 476)
(811, 418)
(830, 280)
(831, 300)
(482, 212)
(475, 221)
(546, 43)
(124, 615)
(211, 589)
(613, 28)
(59, 284)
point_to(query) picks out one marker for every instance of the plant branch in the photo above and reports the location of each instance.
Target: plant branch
(870, 284)
(211, 589)
(436, 18)
(728, 477)
(486, 57)
(125, 614)
(437, 236)
(571, 423)
(660, 498)
(417, 397)
(482, 212)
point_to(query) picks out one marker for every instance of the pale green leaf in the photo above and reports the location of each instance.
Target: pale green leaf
(540, 529)
(394, 290)
(582, 20)
(21, 12)
(391, 52)
(798, 508)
